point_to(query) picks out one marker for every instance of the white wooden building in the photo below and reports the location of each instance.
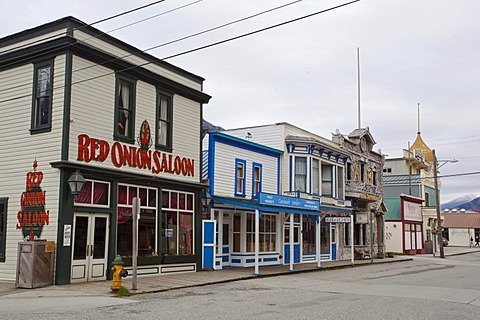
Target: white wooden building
(74, 98)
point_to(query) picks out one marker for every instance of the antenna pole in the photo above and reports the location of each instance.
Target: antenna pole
(418, 118)
(358, 85)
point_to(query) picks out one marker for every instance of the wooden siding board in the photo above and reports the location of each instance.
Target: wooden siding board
(224, 175)
(125, 55)
(92, 111)
(20, 149)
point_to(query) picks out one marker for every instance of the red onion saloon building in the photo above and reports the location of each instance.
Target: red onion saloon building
(82, 108)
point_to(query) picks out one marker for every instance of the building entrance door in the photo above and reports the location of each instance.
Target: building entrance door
(90, 247)
(295, 242)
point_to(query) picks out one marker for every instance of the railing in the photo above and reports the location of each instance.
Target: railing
(362, 187)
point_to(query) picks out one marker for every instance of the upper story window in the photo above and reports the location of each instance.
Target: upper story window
(340, 183)
(164, 121)
(315, 176)
(387, 170)
(349, 171)
(327, 180)
(240, 167)
(94, 193)
(256, 178)
(3, 227)
(124, 110)
(362, 172)
(42, 98)
(300, 182)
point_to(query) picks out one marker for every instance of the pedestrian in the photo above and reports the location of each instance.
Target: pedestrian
(477, 241)
(471, 242)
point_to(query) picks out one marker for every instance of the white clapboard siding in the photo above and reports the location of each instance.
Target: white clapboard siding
(33, 41)
(92, 113)
(20, 149)
(135, 59)
(224, 170)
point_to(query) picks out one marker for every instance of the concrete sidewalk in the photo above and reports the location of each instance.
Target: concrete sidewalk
(158, 283)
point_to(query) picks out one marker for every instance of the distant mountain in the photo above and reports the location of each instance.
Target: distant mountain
(456, 203)
(473, 205)
(208, 127)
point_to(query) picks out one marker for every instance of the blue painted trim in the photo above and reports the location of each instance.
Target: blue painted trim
(256, 165)
(270, 259)
(244, 184)
(290, 172)
(268, 208)
(278, 175)
(245, 144)
(236, 261)
(253, 254)
(211, 163)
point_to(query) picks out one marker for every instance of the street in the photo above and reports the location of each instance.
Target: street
(425, 288)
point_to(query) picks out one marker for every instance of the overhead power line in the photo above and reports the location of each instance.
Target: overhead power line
(89, 25)
(202, 47)
(156, 46)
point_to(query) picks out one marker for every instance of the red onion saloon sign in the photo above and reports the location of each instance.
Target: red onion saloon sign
(91, 149)
(33, 215)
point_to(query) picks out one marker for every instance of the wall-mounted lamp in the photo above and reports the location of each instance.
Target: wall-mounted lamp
(206, 199)
(76, 182)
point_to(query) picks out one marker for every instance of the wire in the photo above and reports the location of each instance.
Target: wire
(93, 37)
(88, 25)
(154, 47)
(201, 48)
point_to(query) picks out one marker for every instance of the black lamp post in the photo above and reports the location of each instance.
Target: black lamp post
(76, 182)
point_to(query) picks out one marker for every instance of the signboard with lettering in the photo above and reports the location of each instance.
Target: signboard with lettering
(288, 202)
(338, 219)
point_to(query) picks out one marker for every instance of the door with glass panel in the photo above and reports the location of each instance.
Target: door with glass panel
(295, 241)
(90, 247)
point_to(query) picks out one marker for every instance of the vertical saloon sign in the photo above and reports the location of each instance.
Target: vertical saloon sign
(33, 215)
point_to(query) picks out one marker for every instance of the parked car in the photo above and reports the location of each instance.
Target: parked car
(445, 242)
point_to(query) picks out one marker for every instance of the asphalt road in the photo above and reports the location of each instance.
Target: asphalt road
(425, 288)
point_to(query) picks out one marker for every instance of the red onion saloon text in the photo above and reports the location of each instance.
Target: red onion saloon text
(90, 149)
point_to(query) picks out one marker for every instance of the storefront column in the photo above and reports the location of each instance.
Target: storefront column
(291, 243)
(318, 232)
(257, 239)
(352, 253)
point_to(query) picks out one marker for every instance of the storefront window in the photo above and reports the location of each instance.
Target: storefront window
(177, 223)
(325, 238)
(267, 233)
(309, 234)
(236, 232)
(94, 193)
(146, 224)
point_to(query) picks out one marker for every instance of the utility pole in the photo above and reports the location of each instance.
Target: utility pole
(437, 203)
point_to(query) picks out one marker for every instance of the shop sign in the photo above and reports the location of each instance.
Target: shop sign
(288, 202)
(91, 149)
(33, 216)
(337, 219)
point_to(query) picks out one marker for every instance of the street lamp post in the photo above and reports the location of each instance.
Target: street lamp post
(437, 201)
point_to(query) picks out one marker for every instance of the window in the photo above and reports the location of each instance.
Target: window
(42, 98)
(177, 223)
(387, 170)
(359, 233)
(362, 172)
(374, 177)
(327, 180)
(125, 110)
(349, 171)
(3, 227)
(309, 227)
(146, 224)
(164, 121)
(94, 193)
(340, 183)
(240, 177)
(237, 226)
(315, 176)
(267, 233)
(256, 178)
(300, 174)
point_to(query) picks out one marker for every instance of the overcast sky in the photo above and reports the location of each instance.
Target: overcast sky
(305, 73)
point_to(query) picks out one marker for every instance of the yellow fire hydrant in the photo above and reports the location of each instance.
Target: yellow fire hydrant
(118, 273)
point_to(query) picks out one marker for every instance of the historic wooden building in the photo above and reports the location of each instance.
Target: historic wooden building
(78, 104)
